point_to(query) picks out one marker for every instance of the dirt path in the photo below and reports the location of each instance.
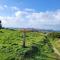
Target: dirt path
(56, 51)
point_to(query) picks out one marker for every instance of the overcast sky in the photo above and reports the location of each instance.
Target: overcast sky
(43, 14)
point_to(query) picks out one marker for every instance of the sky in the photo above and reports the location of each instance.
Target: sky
(41, 14)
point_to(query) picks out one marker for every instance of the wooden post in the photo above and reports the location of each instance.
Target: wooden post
(24, 38)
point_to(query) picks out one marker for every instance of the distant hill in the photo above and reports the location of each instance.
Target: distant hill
(33, 29)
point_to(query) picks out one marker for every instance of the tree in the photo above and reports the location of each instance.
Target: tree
(0, 24)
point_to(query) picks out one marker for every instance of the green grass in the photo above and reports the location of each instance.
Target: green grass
(11, 46)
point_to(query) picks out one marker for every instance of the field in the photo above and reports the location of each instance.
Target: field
(39, 45)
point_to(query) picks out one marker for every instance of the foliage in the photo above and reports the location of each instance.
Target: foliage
(37, 46)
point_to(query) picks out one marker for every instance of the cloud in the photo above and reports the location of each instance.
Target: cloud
(29, 18)
(5, 6)
(29, 10)
(18, 13)
(14, 8)
(44, 20)
(21, 14)
(8, 21)
(8, 9)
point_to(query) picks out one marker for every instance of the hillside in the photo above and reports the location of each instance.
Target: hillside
(38, 46)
